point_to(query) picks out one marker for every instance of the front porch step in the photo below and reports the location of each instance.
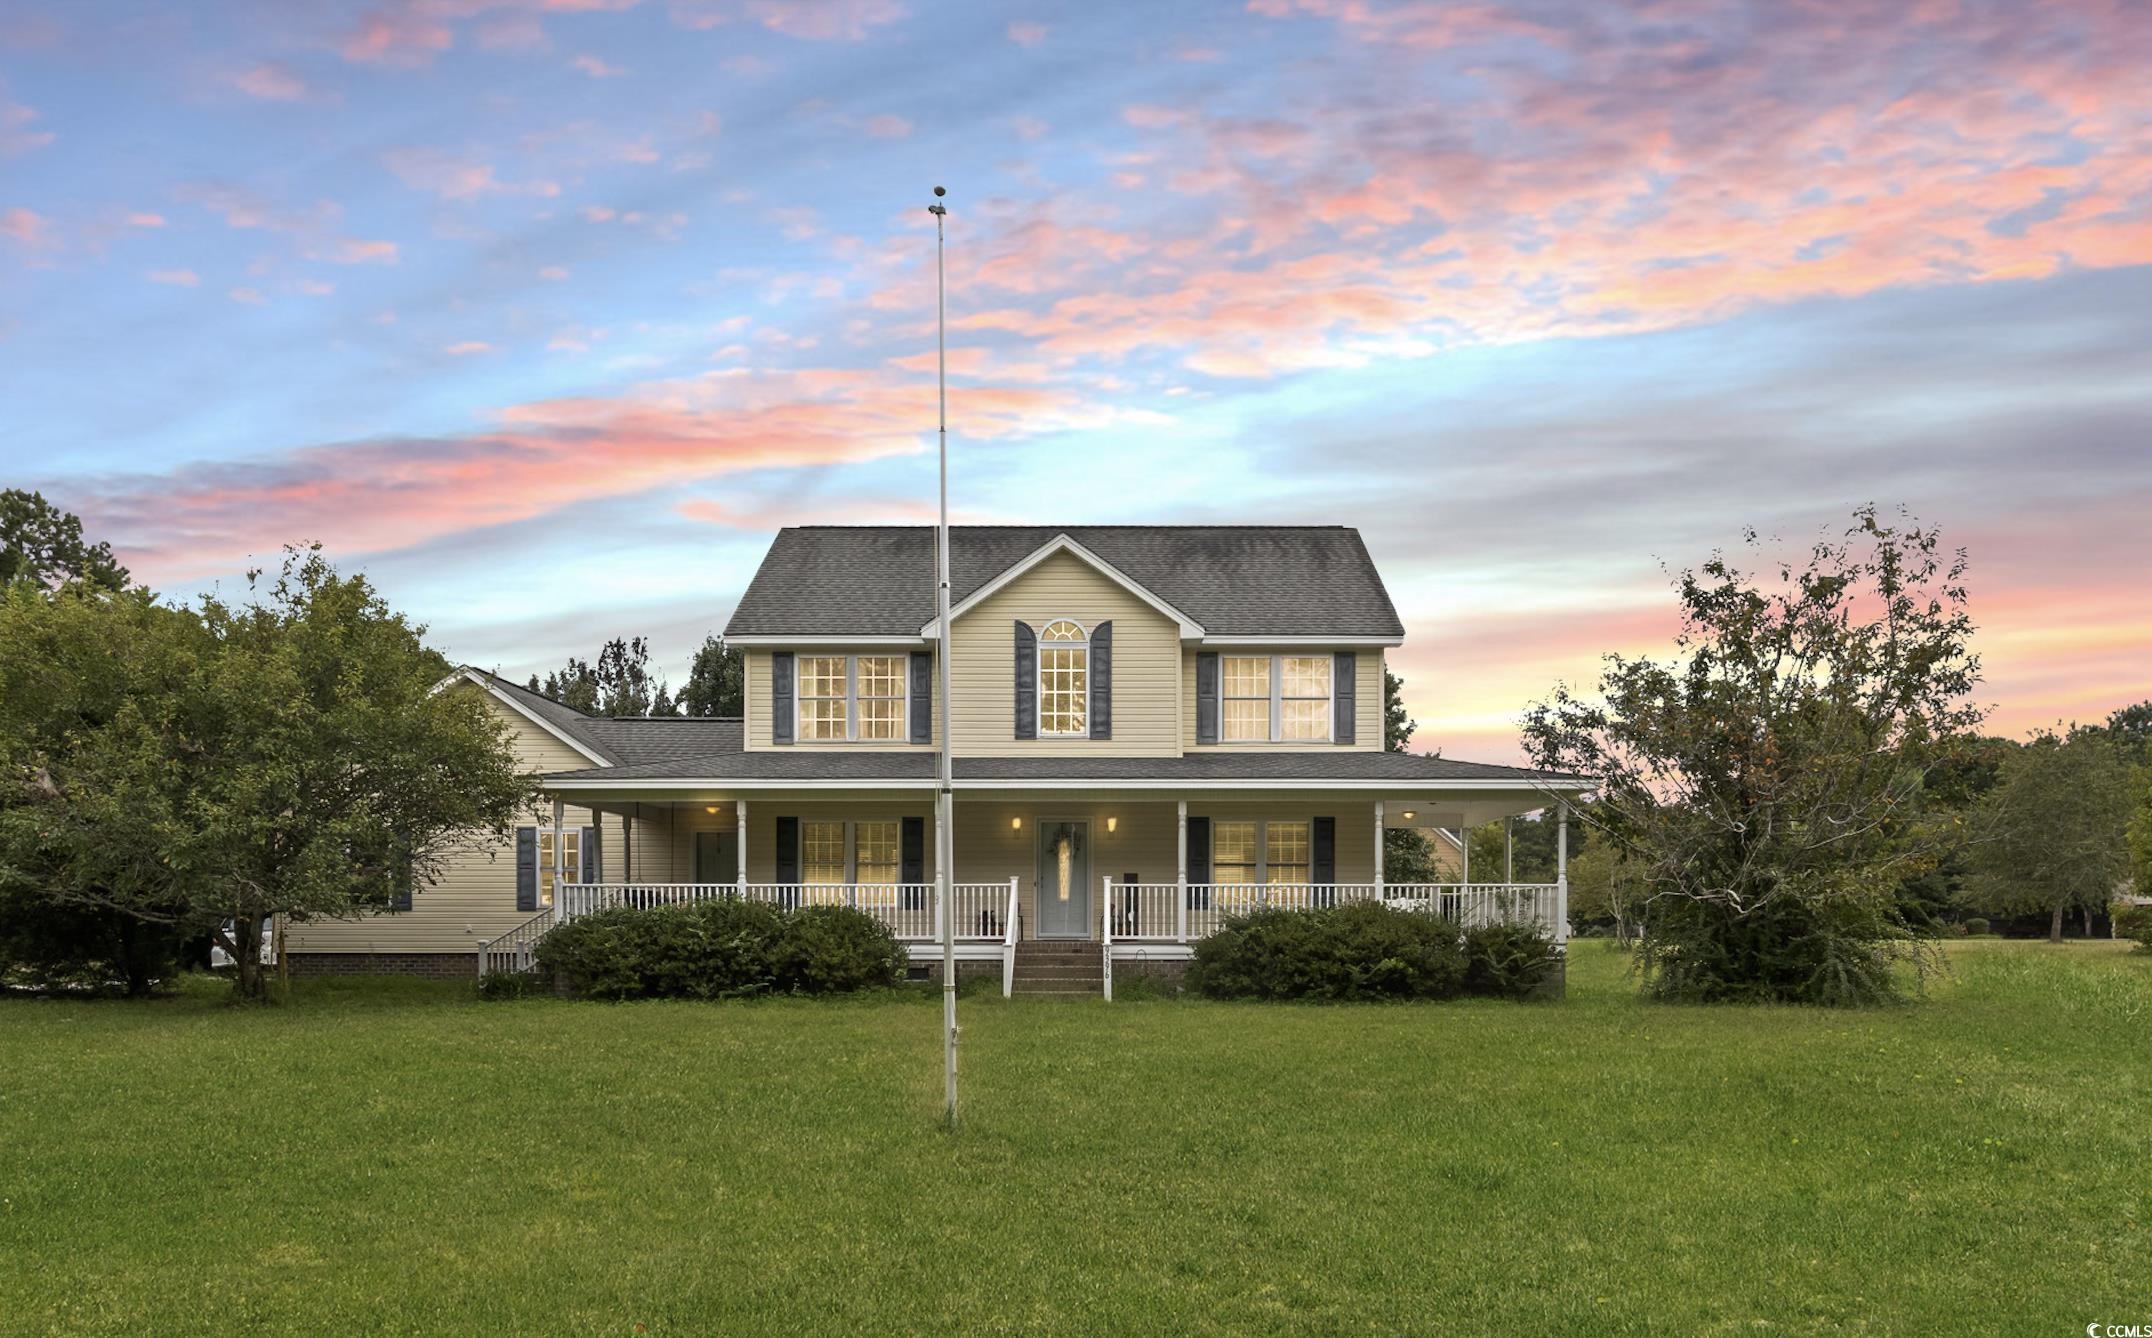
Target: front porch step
(1065, 969)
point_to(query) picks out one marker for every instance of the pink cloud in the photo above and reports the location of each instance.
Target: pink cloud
(247, 297)
(26, 228)
(178, 278)
(145, 220)
(397, 35)
(468, 348)
(454, 177)
(1027, 34)
(598, 68)
(374, 496)
(270, 82)
(352, 251)
(16, 132)
(888, 127)
(808, 20)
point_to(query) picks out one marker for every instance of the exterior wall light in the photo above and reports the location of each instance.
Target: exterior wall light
(1112, 823)
(1016, 824)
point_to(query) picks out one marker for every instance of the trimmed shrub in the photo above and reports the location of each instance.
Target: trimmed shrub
(1507, 961)
(497, 985)
(2134, 922)
(721, 949)
(835, 950)
(1357, 951)
(1976, 925)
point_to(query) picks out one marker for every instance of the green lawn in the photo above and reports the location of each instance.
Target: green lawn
(391, 1155)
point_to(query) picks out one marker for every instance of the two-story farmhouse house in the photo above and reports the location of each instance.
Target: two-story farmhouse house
(1153, 727)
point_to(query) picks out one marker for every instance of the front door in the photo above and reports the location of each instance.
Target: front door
(717, 857)
(1064, 880)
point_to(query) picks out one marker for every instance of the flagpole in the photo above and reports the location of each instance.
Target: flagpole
(944, 807)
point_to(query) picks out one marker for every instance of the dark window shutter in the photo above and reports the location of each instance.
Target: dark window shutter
(1206, 697)
(526, 868)
(781, 711)
(1027, 682)
(1323, 854)
(1199, 870)
(788, 851)
(1102, 681)
(400, 894)
(922, 697)
(588, 845)
(912, 860)
(1344, 694)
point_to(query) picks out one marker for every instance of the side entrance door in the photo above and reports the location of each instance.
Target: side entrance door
(1064, 908)
(717, 857)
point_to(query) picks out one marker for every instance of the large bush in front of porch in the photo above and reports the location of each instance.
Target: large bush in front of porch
(1361, 950)
(722, 949)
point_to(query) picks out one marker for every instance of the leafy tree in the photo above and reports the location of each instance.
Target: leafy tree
(1397, 723)
(282, 756)
(2055, 829)
(1767, 778)
(716, 681)
(41, 543)
(1606, 891)
(2130, 729)
(620, 683)
(92, 700)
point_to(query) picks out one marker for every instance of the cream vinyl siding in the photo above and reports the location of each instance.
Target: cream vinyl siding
(1367, 705)
(475, 898)
(762, 815)
(1146, 693)
(756, 704)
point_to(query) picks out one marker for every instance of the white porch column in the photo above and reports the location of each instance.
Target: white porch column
(1509, 852)
(1464, 847)
(1379, 844)
(739, 843)
(1180, 875)
(1561, 875)
(560, 854)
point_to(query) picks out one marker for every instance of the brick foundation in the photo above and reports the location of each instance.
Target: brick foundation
(966, 969)
(432, 965)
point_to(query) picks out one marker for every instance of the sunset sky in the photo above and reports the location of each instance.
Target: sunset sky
(546, 313)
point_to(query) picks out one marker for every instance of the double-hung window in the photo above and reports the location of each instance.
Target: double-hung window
(844, 698)
(834, 853)
(1274, 698)
(875, 853)
(1271, 853)
(1064, 680)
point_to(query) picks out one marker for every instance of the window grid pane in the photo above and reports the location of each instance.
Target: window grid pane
(1304, 719)
(571, 860)
(821, 852)
(1244, 721)
(821, 697)
(1233, 853)
(1285, 847)
(1306, 676)
(874, 850)
(1247, 676)
(881, 718)
(1064, 689)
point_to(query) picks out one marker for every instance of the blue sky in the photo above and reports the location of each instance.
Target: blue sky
(547, 314)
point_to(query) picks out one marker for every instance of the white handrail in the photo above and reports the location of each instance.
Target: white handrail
(1008, 943)
(515, 950)
(906, 908)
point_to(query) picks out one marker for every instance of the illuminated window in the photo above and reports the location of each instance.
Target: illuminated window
(822, 853)
(1274, 698)
(1285, 853)
(822, 697)
(874, 852)
(1245, 698)
(857, 697)
(571, 860)
(1064, 680)
(1234, 853)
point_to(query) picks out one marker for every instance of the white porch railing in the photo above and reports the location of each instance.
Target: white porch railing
(982, 911)
(516, 950)
(1156, 913)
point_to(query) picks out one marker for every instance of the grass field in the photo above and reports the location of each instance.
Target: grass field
(390, 1155)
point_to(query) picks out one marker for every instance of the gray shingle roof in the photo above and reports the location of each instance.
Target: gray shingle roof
(1254, 580)
(630, 740)
(1196, 768)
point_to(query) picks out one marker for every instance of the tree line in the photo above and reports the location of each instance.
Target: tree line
(619, 682)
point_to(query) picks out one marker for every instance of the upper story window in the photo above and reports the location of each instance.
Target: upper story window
(852, 697)
(1064, 680)
(1274, 698)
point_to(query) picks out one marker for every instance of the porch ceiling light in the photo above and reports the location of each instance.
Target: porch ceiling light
(712, 809)
(1410, 815)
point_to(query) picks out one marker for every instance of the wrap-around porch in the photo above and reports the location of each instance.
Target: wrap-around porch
(1142, 877)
